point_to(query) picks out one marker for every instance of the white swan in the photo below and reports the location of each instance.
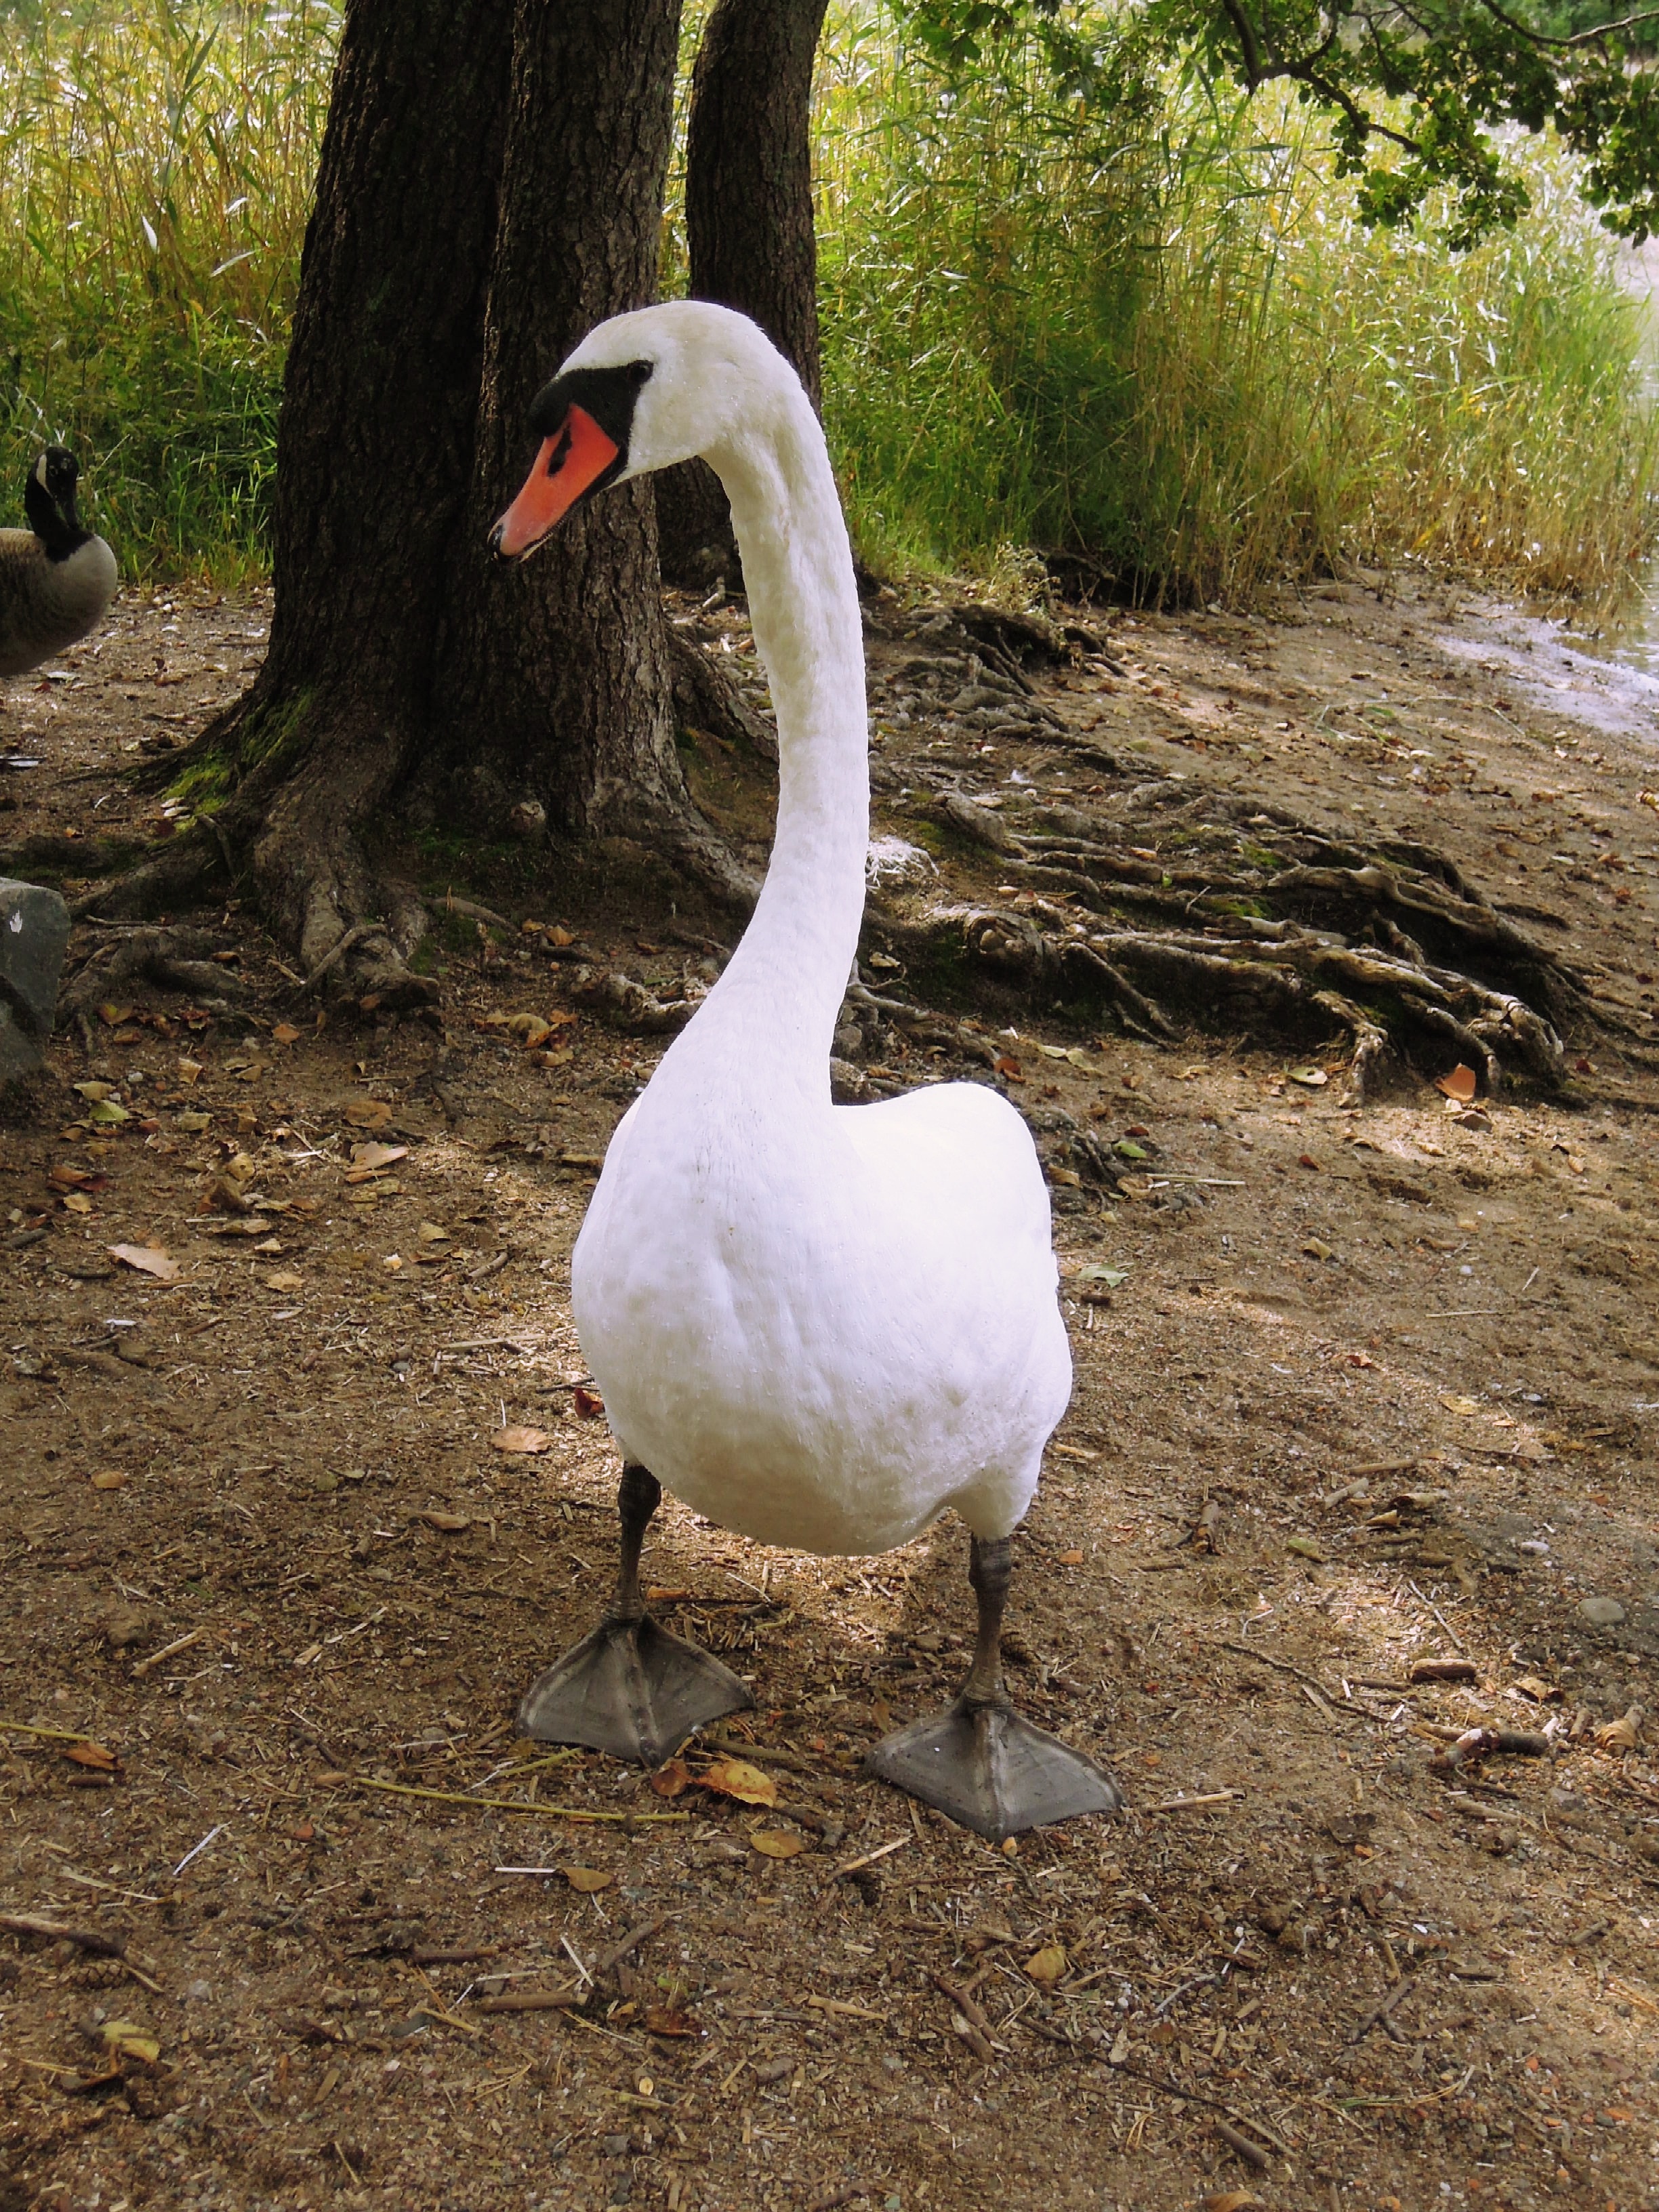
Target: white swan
(819, 1325)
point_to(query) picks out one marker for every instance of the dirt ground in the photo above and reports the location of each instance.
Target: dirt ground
(270, 1586)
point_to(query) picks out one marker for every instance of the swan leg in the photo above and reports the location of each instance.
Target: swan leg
(980, 1763)
(630, 1688)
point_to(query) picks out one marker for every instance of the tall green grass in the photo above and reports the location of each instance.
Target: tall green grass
(1175, 348)
(1146, 326)
(156, 162)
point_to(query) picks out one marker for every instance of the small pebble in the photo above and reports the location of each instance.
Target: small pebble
(1601, 1611)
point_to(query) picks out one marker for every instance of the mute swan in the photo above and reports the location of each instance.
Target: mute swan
(56, 577)
(819, 1325)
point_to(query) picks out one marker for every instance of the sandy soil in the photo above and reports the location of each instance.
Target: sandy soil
(260, 1548)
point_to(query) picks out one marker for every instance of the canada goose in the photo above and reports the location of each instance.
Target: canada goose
(56, 577)
(819, 1325)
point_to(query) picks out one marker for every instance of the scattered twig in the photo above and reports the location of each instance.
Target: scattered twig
(976, 2029)
(1380, 2010)
(1190, 1804)
(631, 1941)
(84, 1939)
(1251, 2152)
(1476, 1742)
(142, 1666)
(1249, 1652)
(197, 1849)
(852, 1866)
(1436, 1611)
(797, 1762)
(90, 1939)
(497, 1804)
(532, 2001)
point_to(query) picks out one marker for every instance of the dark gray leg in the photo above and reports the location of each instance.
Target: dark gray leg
(990, 1570)
(638, 1495)
(980, 1762)
(631, 1687)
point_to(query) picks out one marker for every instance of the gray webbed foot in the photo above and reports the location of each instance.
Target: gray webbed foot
(630, 1688)
(980, 1763)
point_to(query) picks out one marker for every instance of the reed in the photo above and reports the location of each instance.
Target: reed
(156, 163)
(1170, 344)
(1147, 328)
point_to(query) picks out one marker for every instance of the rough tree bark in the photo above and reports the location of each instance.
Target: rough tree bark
(748, 226)
(554, 691)
(490, 186)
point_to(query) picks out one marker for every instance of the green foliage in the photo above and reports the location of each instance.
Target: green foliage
(1412, 96)
(1155, 325)
(156, 162)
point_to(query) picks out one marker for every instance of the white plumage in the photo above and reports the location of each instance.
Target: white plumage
(818, 1324)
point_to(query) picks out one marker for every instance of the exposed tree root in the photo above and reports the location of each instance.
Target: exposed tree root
(706, 698)
(1276, 929)
(178, 959)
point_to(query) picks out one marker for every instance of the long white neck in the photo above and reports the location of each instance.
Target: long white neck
(786, 981)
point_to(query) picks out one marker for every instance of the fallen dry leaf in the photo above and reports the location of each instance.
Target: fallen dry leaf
(75, 1202)
(1454, 1404)
(778, 1843)
(588, 1404)
(736, 1778)
(285, 1033)
(1461, 1084)
(368, 1113)
(1623, 1734)
(664, 2021)
(450, 1523)
(97, 1756)
(128, 2040)
(147, 1260)
(374, 1156)
(1046, 1967)
(588, 1880)
(284, 1279)
(1310, 1078)
(109, 1478)
(672, 1778)
(1069, 1558)
(520, 1440)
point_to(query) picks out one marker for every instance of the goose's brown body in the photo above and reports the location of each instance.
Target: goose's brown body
(46, 605)
(57, 579)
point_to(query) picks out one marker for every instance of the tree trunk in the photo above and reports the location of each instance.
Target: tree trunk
(490, 188)
(748, 227)
(555, 693)
(380, 403)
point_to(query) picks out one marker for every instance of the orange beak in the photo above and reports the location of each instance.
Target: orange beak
(569, 464)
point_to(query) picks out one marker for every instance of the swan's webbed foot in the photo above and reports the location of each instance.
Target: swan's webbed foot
(630, 1688)
(989, 1769)
(980, 1763)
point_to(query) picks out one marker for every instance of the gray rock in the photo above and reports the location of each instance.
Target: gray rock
(35, 928)
(1601, 1611)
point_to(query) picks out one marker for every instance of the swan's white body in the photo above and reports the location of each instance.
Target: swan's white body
(817, 1325)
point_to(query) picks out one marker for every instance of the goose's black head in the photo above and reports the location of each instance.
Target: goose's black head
(49, 500)
(584, 420)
